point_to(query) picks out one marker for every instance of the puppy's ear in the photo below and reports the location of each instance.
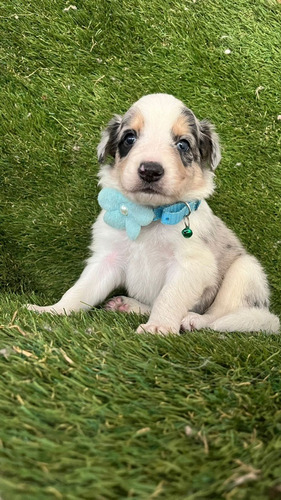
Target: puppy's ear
(109, 136)
(209, 145)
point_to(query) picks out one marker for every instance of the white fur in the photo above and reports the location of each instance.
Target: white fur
(164, 274)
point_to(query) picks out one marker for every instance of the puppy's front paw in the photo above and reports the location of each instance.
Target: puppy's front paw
(157, 329)
(45, 309)
(194, 321)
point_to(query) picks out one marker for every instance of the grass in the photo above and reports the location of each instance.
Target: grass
(88, 409)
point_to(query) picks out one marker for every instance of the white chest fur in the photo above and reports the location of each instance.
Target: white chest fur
(150, 261)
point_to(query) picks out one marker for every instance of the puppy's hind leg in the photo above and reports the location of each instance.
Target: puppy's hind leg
(247, 320)
(241, 303)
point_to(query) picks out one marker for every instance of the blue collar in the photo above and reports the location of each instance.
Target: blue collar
(173, 214)
(122, 213)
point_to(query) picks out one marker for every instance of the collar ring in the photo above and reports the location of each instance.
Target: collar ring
(188, 206)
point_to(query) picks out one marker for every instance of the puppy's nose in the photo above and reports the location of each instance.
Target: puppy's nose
(150, 171)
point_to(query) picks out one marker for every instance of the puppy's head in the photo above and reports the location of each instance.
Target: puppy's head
(162, 152)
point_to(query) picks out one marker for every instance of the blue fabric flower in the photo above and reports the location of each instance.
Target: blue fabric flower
(122, 213)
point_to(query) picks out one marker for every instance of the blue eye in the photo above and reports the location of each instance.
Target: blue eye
(183, 146)
(126, 143)
(129, 139)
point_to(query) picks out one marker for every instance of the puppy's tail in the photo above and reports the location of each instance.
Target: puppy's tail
(247, 320)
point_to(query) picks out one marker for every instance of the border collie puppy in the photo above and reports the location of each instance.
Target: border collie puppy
(157, 237)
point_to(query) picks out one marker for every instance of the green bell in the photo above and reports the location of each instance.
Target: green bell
(187, 232)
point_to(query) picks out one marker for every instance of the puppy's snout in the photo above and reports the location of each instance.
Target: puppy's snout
(150, 171)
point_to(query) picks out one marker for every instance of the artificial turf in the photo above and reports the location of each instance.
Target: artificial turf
(90, 410)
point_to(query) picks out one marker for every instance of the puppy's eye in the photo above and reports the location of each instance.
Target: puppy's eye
(126, 143)
(129, 139)
(183, 146)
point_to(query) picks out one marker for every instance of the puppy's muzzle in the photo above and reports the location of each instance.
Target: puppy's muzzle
(150, 171)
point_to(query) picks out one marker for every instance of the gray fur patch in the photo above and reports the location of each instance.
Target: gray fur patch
(109, 139)
(253, 301)
(209, 145)
(206, 300)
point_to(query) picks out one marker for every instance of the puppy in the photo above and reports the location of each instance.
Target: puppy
(156, 235)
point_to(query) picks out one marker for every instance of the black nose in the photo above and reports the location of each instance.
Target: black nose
(150, 171)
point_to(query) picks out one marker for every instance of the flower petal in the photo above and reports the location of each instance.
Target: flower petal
(143, 215)
(115, 219)
(110, 199)
(132, 228)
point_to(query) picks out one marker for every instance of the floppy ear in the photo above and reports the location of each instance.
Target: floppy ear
(108, 143)
(209, 145)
